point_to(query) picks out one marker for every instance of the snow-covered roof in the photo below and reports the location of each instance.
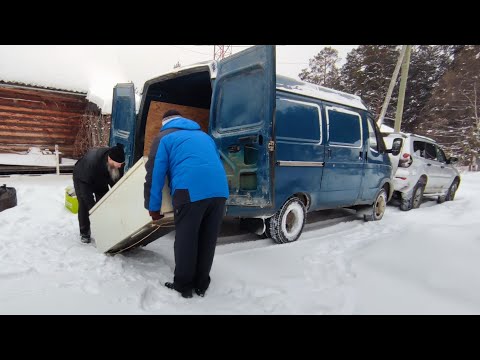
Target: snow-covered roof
(421, 137)
(39, 87)
(386, 129)
(299, 87)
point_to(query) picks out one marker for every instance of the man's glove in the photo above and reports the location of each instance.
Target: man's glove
(155, 215)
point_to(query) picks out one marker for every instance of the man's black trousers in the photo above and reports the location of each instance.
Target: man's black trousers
(84, 194)
(197, 225)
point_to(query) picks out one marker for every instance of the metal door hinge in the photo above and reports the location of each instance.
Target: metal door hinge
(271, 145)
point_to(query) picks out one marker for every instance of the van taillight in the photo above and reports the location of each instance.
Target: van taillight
(405, 161)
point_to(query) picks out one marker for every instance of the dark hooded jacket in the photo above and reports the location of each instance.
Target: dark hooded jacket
(92, 170)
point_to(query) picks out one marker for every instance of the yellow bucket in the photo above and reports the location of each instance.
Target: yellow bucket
(71, 202)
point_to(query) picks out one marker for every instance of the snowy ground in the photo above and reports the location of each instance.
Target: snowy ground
(419, 262)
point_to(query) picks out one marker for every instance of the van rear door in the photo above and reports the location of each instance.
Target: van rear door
(122, 129)
(241, 119)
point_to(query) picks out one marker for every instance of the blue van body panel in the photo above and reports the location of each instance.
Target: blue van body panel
(326, 174)
(343, 171)
(299, 154)
(241, 124)
(377, 170)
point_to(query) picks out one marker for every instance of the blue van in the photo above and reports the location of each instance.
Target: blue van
(288, 147)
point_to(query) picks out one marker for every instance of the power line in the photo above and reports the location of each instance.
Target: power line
(198, 52)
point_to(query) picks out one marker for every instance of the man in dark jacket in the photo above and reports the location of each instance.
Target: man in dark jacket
(92, 174)
(199, 188)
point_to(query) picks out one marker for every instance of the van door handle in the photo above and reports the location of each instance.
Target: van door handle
(443, 167)
(251, 138)
(234, 148)
(329, 153)
(429, 164)
(360, 156)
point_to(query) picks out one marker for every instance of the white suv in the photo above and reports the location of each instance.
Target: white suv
(421, 169)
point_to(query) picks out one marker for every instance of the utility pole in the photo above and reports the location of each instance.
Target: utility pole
(403, 86)
(391, 86)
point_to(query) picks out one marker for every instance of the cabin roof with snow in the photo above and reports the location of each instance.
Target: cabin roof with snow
(20, 85)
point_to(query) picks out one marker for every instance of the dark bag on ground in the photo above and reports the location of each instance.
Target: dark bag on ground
(8, 197)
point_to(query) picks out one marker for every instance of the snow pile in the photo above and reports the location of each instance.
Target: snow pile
(423, 261)
(35, 157)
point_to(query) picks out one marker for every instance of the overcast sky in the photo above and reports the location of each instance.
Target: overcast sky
(96, 68)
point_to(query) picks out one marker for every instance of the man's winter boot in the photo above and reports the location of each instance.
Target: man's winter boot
(199, 292)
(186, 294)
(85, 239)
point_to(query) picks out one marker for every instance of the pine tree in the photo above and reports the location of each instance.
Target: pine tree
(369, 68)
(323, 69)
(452, 116)
(427, 65)
(367, 73)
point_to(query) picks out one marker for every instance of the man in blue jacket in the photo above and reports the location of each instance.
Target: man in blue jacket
(199, 188)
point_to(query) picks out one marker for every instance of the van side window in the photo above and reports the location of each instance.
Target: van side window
(297, 121)
(372, 137)
(419, 148)
(430, 153)
(345, 128)
(238, 102)
(440, 154)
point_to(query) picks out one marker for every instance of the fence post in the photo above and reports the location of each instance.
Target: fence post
(57, 160)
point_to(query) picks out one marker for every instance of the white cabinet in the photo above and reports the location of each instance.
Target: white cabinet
(119, 220)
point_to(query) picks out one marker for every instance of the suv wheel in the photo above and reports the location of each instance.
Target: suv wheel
(452, 191)
(415, 200)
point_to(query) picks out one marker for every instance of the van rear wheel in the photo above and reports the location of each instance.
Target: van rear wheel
(287, 224)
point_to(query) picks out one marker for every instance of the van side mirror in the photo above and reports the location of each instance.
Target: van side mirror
(396, 147)
(452, 160)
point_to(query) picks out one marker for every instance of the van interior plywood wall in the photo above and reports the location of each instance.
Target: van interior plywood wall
(154, 119)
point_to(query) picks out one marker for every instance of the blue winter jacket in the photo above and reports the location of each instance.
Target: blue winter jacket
(190, 159)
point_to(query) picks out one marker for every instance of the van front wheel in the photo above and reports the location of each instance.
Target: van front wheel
(287, 224)
(377, 209)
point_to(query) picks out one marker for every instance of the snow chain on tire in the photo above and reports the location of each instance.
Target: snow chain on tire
(293, 205)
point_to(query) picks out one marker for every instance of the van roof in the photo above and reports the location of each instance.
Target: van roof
(287, 84)
(303, 88)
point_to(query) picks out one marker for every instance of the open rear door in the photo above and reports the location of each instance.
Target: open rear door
(241, 120)
(122, 129)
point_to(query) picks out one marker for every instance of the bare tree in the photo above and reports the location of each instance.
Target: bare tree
(323, 68)
(94, 132)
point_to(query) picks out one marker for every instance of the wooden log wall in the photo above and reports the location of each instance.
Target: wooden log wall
(41, 118)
